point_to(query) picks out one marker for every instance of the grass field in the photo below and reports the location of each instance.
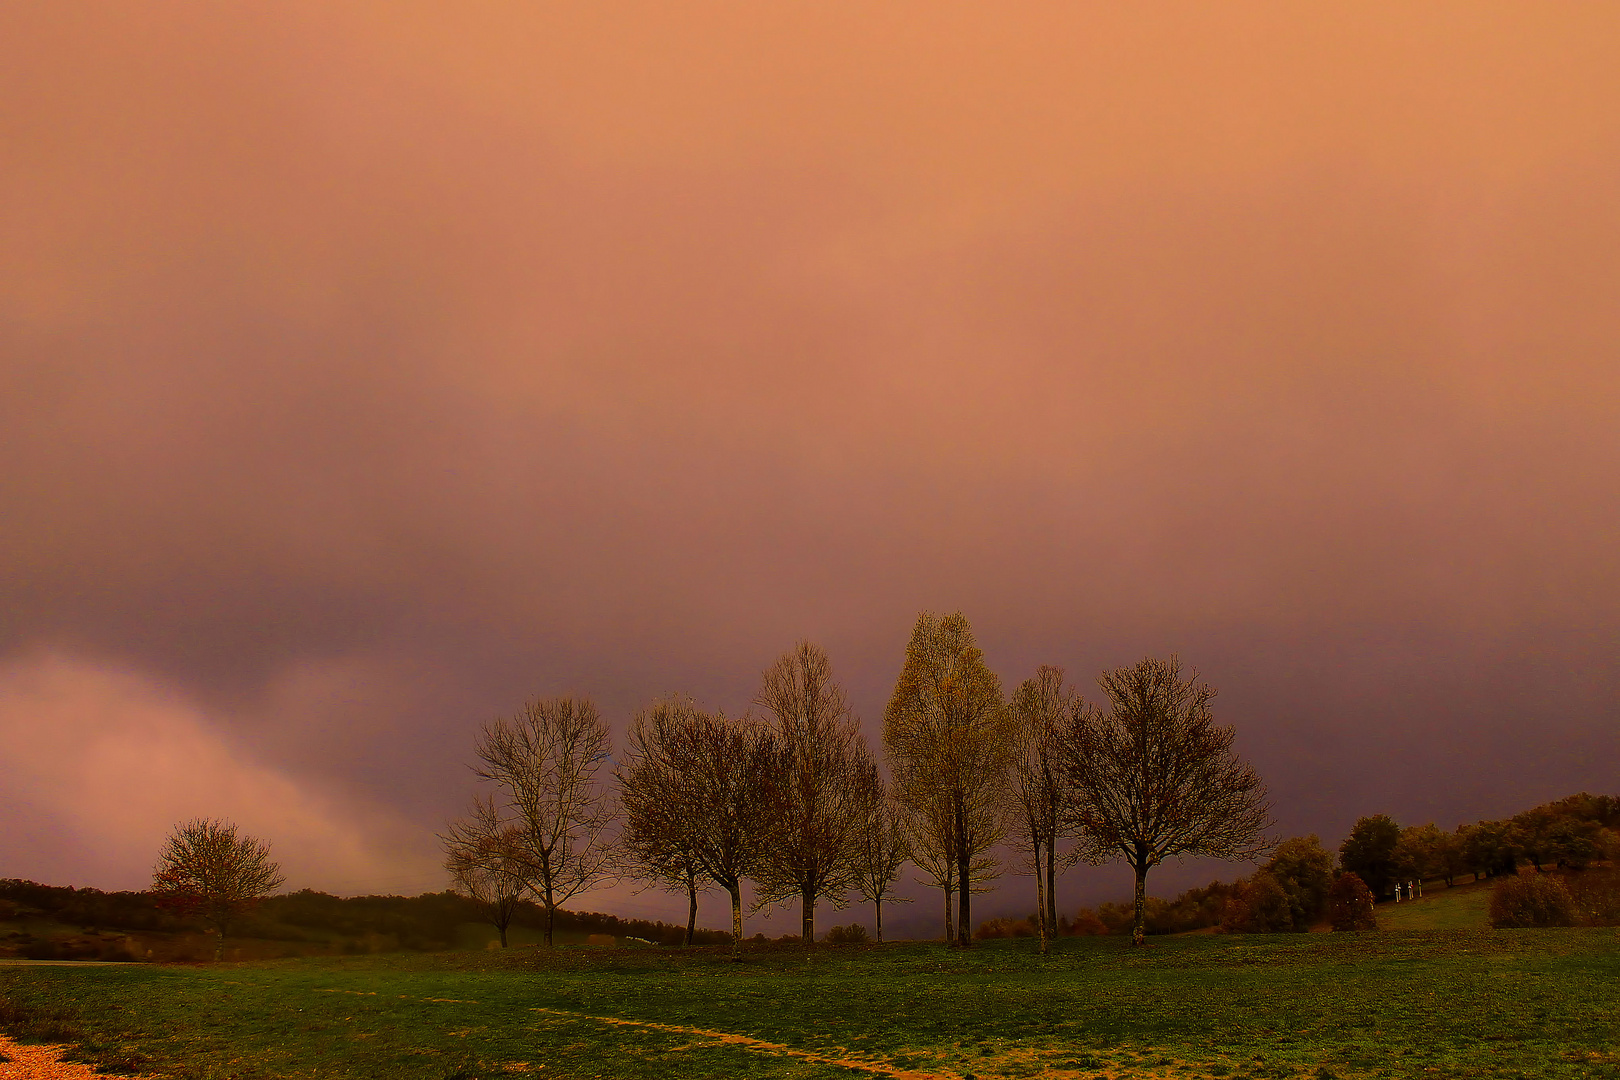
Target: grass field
(1528, 1003)
(1464, 906)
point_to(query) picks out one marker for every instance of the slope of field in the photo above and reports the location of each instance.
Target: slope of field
(1429, 1004)
(1465, 906)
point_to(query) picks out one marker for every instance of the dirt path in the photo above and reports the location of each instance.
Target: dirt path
(761, 1046)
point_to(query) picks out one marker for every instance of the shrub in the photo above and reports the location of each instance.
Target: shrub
(853, 934)
(1596, 896)
(1118, 918)
(1005, 928)
(1531, 900)
(1350, 904)
(1258, 906)
(1086, 924)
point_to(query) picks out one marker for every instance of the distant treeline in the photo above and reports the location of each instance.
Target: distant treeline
(1292, 891)
(424, 923)
(1568, 834)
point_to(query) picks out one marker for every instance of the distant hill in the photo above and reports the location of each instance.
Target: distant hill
(62, 922)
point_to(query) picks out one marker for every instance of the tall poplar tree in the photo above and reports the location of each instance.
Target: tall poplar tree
(947, 735)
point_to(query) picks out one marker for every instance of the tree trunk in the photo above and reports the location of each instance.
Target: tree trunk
(950, 913)
(551, 908)
(219, 944)
(1139, 930)
(502, 929)
(735, 890)
(807, 928)
(878, 903)
(964, 922)
(691, 909)
(1051, 881)
(1040, 900)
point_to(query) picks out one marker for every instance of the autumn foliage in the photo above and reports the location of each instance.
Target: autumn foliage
(1350, 904)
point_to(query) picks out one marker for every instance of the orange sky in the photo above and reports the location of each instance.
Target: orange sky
(365, 371)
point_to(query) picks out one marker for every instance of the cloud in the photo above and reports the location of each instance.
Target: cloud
(98, 765)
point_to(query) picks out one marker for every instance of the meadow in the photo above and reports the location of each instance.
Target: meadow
(1420, 1003)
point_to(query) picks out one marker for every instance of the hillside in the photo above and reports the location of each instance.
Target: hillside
(1464, 906)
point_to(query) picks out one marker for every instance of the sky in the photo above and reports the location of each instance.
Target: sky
(369, 369)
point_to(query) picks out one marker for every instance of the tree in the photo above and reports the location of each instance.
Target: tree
(1490, 848)
(1420, 853)
(551, 813)
(1573, 843)
(1154, 777)
(1304, 870)
(1453, 856)
(730, 763)
(881, 848)
(816, 798)
(712, 775)
(946, 734)
(660, 835)
(478, 858)
(209, 870)
(1533, 831)
(1369, 852)
(1041, 708)
(931, 839)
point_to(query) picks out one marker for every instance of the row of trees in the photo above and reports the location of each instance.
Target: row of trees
(793, 800)
(1570, 833)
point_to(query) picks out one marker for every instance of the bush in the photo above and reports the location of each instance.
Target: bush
(853, 934)
(1258, 906)
(1086, 924)
(1350, 904)
(1005, 928)
(1531, 900)
(1596, 896)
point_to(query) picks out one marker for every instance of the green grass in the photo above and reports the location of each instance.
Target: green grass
(1465, 906)
(1534, 1003)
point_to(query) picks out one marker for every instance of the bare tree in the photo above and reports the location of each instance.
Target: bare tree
(714, 774)
(1154, 777)
(1041, 708)
(946, 735)
(816, 799)
(478, 855)
(551, 807)
(659, 837)
(881, 848)
(208, 869)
